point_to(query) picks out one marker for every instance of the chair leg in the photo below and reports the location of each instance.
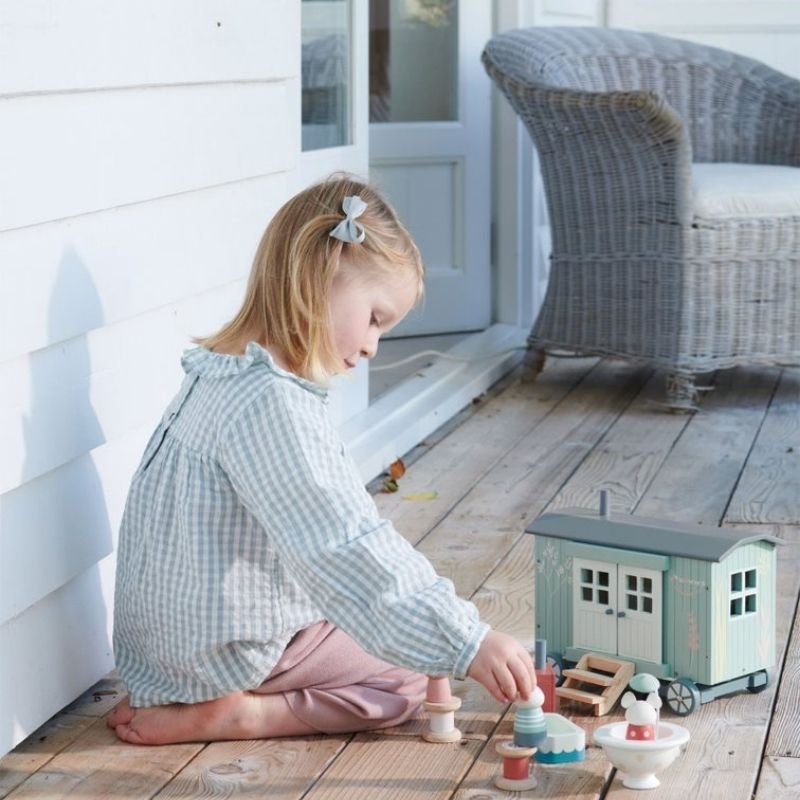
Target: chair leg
(533, 363)
(682, 394)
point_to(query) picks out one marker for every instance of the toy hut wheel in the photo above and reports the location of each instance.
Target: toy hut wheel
(767, 681)
(557, 665)
(683, 697)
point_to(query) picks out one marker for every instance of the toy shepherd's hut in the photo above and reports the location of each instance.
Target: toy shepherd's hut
(693, 605)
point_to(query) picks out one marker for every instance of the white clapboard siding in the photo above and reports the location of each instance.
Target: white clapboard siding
(72, 276)
(767, 30)
(69, 154)
(147, 43)
(60, 519)
(57, 526)
(54, 651)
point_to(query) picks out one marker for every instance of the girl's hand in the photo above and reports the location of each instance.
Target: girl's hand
(504, 667)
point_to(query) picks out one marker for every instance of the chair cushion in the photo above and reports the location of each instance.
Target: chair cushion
(745, 190)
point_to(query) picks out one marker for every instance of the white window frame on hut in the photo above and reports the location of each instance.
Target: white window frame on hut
(743, 593)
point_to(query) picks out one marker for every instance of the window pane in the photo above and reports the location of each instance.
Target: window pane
(327, 73)
(736, 582)
(633, 602)
(750, 604)
(602, 578)
(413, 60)
(631, 583)
(602, 597)
(586, 575)
(647, 605)
(750, 579)
(736, 607)
(586, 594)
(647, 585)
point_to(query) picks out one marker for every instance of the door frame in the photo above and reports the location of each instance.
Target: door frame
(459, 152)
(617, 623)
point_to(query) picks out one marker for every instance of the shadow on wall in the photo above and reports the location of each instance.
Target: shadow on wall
(54, 527)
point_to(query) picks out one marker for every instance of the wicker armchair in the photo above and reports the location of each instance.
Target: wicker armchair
(645, 263)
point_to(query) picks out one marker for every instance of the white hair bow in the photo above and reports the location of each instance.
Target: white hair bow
(348, 230)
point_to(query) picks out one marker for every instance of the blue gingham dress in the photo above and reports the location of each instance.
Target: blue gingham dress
(246, 521)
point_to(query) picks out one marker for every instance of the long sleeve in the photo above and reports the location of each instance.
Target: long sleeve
(288, 466)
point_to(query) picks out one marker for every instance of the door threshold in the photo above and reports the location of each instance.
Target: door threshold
(411, 410)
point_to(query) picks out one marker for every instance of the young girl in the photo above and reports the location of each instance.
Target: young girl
(259, 593)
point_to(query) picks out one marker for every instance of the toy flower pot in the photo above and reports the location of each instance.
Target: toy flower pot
(638, 760)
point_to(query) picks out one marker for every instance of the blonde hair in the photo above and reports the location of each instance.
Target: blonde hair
(287, 299)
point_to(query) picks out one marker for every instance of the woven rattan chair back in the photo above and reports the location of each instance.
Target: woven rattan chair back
(618, 117)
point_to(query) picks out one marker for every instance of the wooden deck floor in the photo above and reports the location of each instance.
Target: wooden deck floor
(584, 424)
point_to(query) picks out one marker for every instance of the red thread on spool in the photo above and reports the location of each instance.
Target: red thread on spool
(516, 769)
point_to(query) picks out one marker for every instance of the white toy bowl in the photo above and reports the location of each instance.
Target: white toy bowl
(639, 761)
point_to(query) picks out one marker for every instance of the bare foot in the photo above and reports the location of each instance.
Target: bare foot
(242, 715)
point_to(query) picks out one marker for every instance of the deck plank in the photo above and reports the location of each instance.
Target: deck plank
(465, 455)
(628, 457)
(375, 767)
(281, 769)
(58, 732)
(98, 765)
(780, 779)
(767, 491)
(784, 733)
(698, 477)
(39, 748)
(492, 516)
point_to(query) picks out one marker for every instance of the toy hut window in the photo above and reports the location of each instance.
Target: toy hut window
(639, 594)
(595, 586)
(743, 593)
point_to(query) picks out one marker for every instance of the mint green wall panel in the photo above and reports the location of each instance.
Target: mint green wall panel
(687, 631)
(743, 612)
(553, 587)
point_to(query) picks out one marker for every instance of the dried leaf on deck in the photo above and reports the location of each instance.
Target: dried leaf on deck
(397, 470)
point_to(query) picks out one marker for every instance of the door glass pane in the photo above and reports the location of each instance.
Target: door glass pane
(326, 73)
(413, 60)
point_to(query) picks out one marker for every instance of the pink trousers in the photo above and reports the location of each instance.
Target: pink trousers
(334, 686)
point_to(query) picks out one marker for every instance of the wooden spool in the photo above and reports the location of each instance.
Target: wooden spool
(516, 775)
(442, 721)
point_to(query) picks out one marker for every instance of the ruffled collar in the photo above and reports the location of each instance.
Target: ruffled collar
(199, 361)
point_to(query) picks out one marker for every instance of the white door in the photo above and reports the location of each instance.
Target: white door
(594, 618)
(430, 120)
(639, 613)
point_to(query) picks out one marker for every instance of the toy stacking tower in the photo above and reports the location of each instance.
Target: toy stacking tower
(441, 707)
(530, 731)
(545, 677)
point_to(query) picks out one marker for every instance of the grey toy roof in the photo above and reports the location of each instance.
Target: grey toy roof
(646, 535)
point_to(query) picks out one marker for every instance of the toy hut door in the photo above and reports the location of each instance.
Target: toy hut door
(594, 619)
(639, 613)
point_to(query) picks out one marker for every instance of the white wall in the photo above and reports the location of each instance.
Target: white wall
(144, 147)
(767, 30)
